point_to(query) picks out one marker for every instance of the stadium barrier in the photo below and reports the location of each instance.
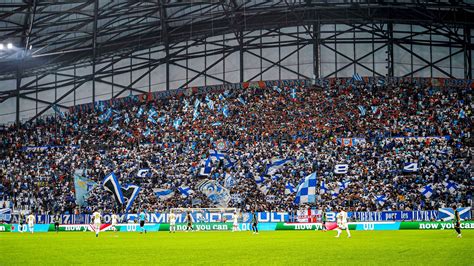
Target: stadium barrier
(443, 214)
(153, 227)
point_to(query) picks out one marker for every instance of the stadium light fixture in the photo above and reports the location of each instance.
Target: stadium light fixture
(10, 45)
(1, 46)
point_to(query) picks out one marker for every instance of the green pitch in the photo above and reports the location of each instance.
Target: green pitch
(276, 248)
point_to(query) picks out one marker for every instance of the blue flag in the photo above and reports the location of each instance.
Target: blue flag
(140, 112)
(225, 111)
(163, 194)
(185, 191)
(307, 190)
(130, 193)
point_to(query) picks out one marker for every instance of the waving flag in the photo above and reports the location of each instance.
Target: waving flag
(307, 190)
(195, 114)
(451, 186)
(163, 194)
(177, 123)
(362, 110)
(105, 116)
(152, 120)
(229, 181)
(276, 164)
(380, 199)
(127, 118)
(259, 179)
(140, 112)
(374, 109)
(225, 111)
(241, 100)
(276, 88)
(216, 124)
(293, 93)
(111, 184)
(343, 184)
(207, 167)
(58, 111)
(462, 113)
(196, 103)
(144, 172)
(221, 97)
(356, 77)
(289, 188)
(185, 191)
(217, 156)
(129, 192)
(186, 105)
(146, 133)
(82, 187)
(210, 103)
(152, 112)
(322, 187)
(447, 214)
(427, 191)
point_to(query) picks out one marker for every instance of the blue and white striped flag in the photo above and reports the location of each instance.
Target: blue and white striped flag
(196, 103)
(362, 110)
(216, 124)
(221, 97)
(177, 123)
(276, 88)
(356, 77)
(289, 188)
(127, 118)
(162, 120)
(225, 111)
(105, 116)
(140, 112)
(307, 190)
(152, 120)
(276, 164)
(147, 132)
(242, 100)
(163, 194)
(58, 111)
(259, 179)
(130, 193)
(427, 191)
(152, 112)
(195, 114)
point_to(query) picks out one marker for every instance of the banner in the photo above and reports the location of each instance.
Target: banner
(227, 226)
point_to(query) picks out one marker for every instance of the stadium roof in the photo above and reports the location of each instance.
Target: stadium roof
(46, 33)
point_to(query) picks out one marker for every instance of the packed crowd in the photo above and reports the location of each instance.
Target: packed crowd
(173, 137)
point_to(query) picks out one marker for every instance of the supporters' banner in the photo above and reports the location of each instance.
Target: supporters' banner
(410, 168)
(341, 169)
(43, 148)
(216, 193)
(5, 215)
(82, 186)
(447, 214)
(349, 142)
(112, 185)
(395, 216)
(129, 192)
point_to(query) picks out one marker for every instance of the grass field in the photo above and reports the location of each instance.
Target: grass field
(242, 248)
